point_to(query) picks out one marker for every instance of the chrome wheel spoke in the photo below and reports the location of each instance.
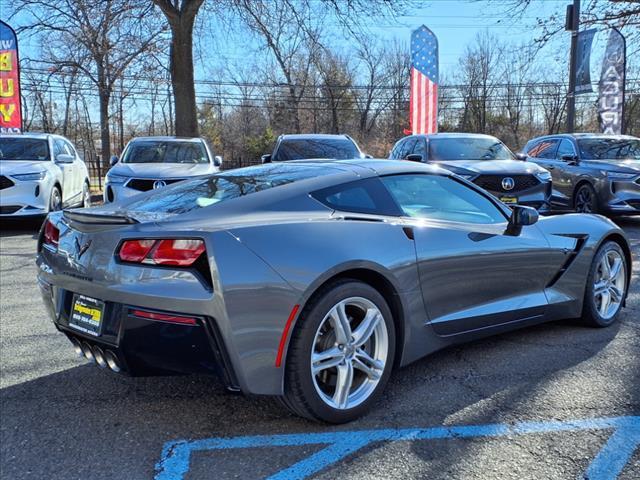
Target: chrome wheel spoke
(326, 359)
(615, 294)
(599, 287)
(366, 327)
(615, 269)
(340, 323)
(605, 301)
(363, 362)
(605, 267)
(343, 384)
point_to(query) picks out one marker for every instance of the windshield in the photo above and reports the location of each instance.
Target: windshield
(609, 148)
(12, 148)
(203, 192)
(337, 148)
(468, 149)
(158, 151)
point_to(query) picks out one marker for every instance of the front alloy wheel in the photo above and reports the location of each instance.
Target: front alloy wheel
(585, 201)
(341, 353)
(606, 287)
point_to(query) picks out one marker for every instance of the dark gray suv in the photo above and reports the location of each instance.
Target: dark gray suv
(592, 173)
(313, 145)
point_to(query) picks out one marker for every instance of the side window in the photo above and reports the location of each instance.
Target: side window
(70, 149)
(421, 149)
(442, 198)
(544, 149)
(361, 196)
(58, 147)
(407, 148)
(565, 148)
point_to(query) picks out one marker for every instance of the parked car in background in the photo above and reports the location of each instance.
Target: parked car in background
(291, 280)
(592, 173)
(149, 163)
(309, 146)
(483, 160)
(40, 173)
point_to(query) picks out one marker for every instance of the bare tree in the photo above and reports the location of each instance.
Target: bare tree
(100, 38)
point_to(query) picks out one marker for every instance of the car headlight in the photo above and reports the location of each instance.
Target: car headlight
(544, 176)
(30, 176)
(116, 179)
(620, 175)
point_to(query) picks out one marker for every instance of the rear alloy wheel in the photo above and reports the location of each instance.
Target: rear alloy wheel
(606, 287)
(341, 353)
(585, 200)
(55, 201)
(86, 196)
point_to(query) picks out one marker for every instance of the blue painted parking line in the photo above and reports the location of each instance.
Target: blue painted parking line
(607, 465)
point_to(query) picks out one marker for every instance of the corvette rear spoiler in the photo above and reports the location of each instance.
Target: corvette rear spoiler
(91, 218)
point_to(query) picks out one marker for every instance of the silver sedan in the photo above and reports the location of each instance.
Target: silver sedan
(312, 280)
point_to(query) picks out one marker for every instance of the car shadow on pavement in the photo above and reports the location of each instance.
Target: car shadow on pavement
(92, 414)
(12, 227)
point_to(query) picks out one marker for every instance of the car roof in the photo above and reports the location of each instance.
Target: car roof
(167, 138)
(39, 135)
(372, 166)
(585, 135)
(313, 136)
(453, 135)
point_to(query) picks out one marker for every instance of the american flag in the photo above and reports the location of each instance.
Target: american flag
(423, 105)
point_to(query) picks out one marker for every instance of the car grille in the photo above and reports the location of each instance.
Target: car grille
(9, 209)
(5, 182)
(493, 183)
(146, 184)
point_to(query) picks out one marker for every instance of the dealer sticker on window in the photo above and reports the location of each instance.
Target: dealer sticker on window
(86, 314)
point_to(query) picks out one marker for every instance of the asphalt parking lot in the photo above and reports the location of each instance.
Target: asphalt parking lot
(557, 401)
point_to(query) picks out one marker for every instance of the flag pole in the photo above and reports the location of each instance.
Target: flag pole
(572, 24)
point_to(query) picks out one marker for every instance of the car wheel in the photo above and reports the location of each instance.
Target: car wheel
(606, 286)
(341, 353)
(55, 200)
(585, 200)
(86, 196)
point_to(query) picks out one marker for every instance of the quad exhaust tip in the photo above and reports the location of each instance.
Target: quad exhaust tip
(77, 347)
(88, 353)
(112, 361)
(98, 354)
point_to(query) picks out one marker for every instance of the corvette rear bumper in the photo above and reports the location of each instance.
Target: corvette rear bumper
(144, 347)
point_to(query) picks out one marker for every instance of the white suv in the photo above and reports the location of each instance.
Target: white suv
(40, 173)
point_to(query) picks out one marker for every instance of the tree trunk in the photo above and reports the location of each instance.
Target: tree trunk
(184, 93)
(105, 136)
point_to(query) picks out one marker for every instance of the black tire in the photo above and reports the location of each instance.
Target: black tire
(55, 199)
(585, 199)
(86, 196)
(301, 396)
(590, 313)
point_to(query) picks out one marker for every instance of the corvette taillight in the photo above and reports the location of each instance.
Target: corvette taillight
(51, 234)
(179, 252)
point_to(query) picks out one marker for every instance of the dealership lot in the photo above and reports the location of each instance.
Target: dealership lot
(62, 418)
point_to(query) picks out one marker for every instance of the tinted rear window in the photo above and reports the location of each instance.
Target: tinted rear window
(189, 195)
(337, 148)
(157, 151)
(609, 148)
(23, 149)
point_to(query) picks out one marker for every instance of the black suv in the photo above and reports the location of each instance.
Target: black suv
(307, 146)
(592, 173)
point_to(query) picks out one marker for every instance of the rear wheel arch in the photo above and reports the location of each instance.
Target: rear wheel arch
(377, 281)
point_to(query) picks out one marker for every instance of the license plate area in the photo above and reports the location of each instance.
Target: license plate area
(86, 315)
(509, 200)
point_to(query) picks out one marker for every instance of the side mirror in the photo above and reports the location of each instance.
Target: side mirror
(570, 159)
(64, 158)
(113, 160)
(414, 157)
(217, 161)
(521, 216)
(521, 156)
(266, 158)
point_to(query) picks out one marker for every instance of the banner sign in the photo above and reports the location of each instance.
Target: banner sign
(423, 102)
(10, 111)
(612, 83)
(583, 61)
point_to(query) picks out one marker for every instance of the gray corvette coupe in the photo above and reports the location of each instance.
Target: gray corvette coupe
(312, 280)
